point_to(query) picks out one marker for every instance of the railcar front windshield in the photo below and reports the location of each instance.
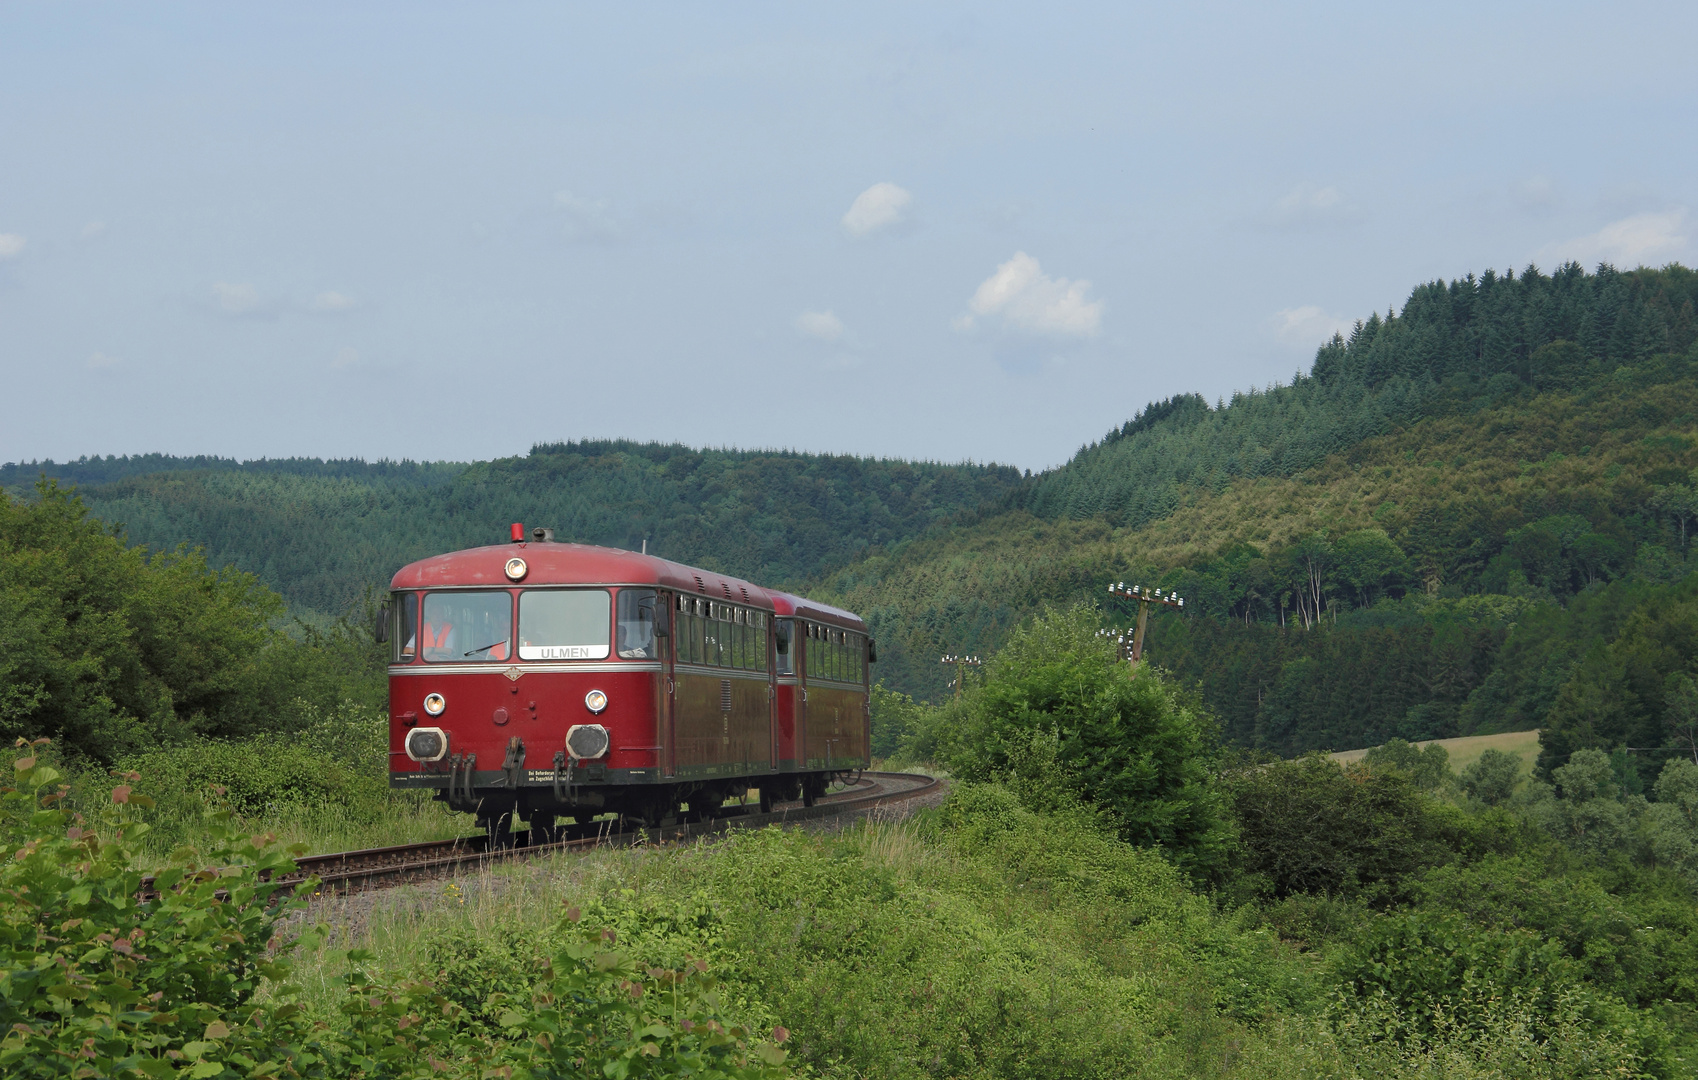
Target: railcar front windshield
(636, 624)
(564, 624)
(473, 627)
(404, 634)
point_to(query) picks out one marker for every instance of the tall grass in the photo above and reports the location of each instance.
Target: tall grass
(979, 940)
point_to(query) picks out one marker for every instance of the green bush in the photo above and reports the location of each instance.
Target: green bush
(1493, 778)
(1419, 980)
(1309, 826)
(97, 984)
(1429, 768)
(1134, 745)
(112, 651)
(189, 976)
(338, 759)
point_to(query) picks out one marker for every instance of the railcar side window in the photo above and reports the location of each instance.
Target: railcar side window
(785, 631)
(636, 624)
(404, 635)
(467, 627)
(693, 632)
(564, 624)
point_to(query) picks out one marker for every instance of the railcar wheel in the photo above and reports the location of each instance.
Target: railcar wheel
(766, 798)
(653, 812)
(810, 790)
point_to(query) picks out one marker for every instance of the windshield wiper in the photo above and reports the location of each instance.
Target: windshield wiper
(486, 648)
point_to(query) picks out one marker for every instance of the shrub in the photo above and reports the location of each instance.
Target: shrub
(1493, 778)
(192, 979)
(1309, 826)
(337, 761)
(1429, 768)
(1420, 980)
(1134, 745)
(98, 984)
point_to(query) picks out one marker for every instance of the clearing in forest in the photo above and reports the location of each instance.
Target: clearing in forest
(1467, 750)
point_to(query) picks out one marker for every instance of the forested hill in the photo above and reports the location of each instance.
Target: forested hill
(1492, 333)
(1459, 521)
(1474, 514)
(321, 532)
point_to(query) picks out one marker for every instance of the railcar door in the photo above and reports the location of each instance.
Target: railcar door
(804, 743)
(666, 608)
(767, 633)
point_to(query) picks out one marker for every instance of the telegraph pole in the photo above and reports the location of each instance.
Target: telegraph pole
(962, 663)
(1145, 598)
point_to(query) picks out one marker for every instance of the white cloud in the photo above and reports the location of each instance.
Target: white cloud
(234, 299)
(93, 229)
(1311, 206)
(99, 361)
(820, 324)
(1309, 326)
(333, 301)
(11, 244)
(1641, 240)
(586, 219)
(1021, 296)
(879, 207)
(346, 357)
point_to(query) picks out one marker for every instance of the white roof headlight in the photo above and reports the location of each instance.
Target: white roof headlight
(434, 704)
(595, 701)
(516, 569)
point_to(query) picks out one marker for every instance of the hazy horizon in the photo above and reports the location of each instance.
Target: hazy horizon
(957, 233)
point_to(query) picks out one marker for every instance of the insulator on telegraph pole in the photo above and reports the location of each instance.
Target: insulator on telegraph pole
(962, 663)
(1145, 597)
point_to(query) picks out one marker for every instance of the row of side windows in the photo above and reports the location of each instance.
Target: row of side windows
(721, 635)
(836, 654)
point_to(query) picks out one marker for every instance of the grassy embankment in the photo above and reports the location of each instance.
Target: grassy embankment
(982, 941)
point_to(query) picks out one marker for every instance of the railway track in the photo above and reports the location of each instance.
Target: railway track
(348, 872)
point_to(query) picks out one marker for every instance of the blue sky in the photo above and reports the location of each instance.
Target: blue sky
(951, 231)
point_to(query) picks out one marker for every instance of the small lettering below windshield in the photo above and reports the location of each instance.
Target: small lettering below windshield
(564, 624)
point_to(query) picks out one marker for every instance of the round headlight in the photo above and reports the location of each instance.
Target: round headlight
(427, 744)
(595, 701)
(586, 741)
(516, 569)
(435, 703)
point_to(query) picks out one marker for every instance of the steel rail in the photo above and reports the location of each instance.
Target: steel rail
(347, 872)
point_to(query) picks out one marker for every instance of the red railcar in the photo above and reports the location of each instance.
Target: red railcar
(544, 681)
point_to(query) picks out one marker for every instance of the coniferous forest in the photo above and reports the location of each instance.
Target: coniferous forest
(1475, 515)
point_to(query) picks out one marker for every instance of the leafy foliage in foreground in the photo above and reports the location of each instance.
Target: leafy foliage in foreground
(193, 979)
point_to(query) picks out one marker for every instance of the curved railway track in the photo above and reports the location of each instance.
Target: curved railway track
(357, 871)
